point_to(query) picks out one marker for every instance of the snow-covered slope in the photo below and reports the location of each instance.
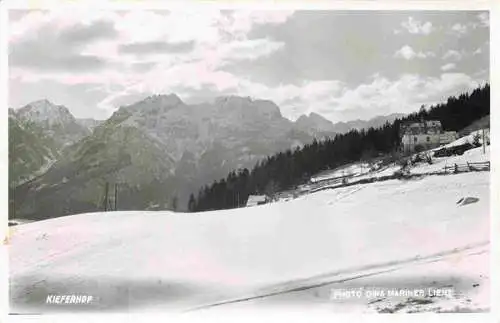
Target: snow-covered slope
(451, 282)
(136, 261)
(475, 155)
(470, 138)
(363, 170)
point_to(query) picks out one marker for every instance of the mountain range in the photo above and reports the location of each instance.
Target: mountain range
(342, 127)
(316, 125)
(157, 150)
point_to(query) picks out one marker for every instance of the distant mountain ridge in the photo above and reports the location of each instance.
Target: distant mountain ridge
(375, 122)
(157, 150)
(314, 123)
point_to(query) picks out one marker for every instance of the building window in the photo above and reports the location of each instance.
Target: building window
(414, 139)
(428, 139)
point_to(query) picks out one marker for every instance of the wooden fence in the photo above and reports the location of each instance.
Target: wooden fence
(468, 167)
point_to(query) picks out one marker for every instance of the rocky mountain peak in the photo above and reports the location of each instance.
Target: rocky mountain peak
(164, 99)
(248, 107)
(45, 111)
(314, 122)
(232, 100)
(315, 116)
(55, 121)
(152, 105)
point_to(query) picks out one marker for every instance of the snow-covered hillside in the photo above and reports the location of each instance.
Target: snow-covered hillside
(475, 155)
(470, 138)
(363, 170)
(146, 261)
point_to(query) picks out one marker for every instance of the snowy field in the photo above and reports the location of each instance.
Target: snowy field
(385, 233)
(474, 155)
(462, 278)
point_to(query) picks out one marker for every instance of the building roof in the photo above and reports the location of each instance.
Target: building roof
(416, 124)
(256, 198)
(421, 127)
(433, 123)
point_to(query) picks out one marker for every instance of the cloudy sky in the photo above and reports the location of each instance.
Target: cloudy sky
(341, 64)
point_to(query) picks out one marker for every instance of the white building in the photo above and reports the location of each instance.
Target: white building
(256, 200)
(425, 135)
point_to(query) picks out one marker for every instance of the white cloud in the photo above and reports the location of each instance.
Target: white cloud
(220, 38)
(384, 96)
(217, 37)
(238, 23)
(414, 26)
(448, 67)
(181, 25)
(338, 102)
(248, 49)
(453, 55)
(408, 53)
(57, 19)
(484, 19)
(459, 29)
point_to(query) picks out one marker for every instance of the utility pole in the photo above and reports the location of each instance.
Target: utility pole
(116, 195)
(106, 197)
(484, 143)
